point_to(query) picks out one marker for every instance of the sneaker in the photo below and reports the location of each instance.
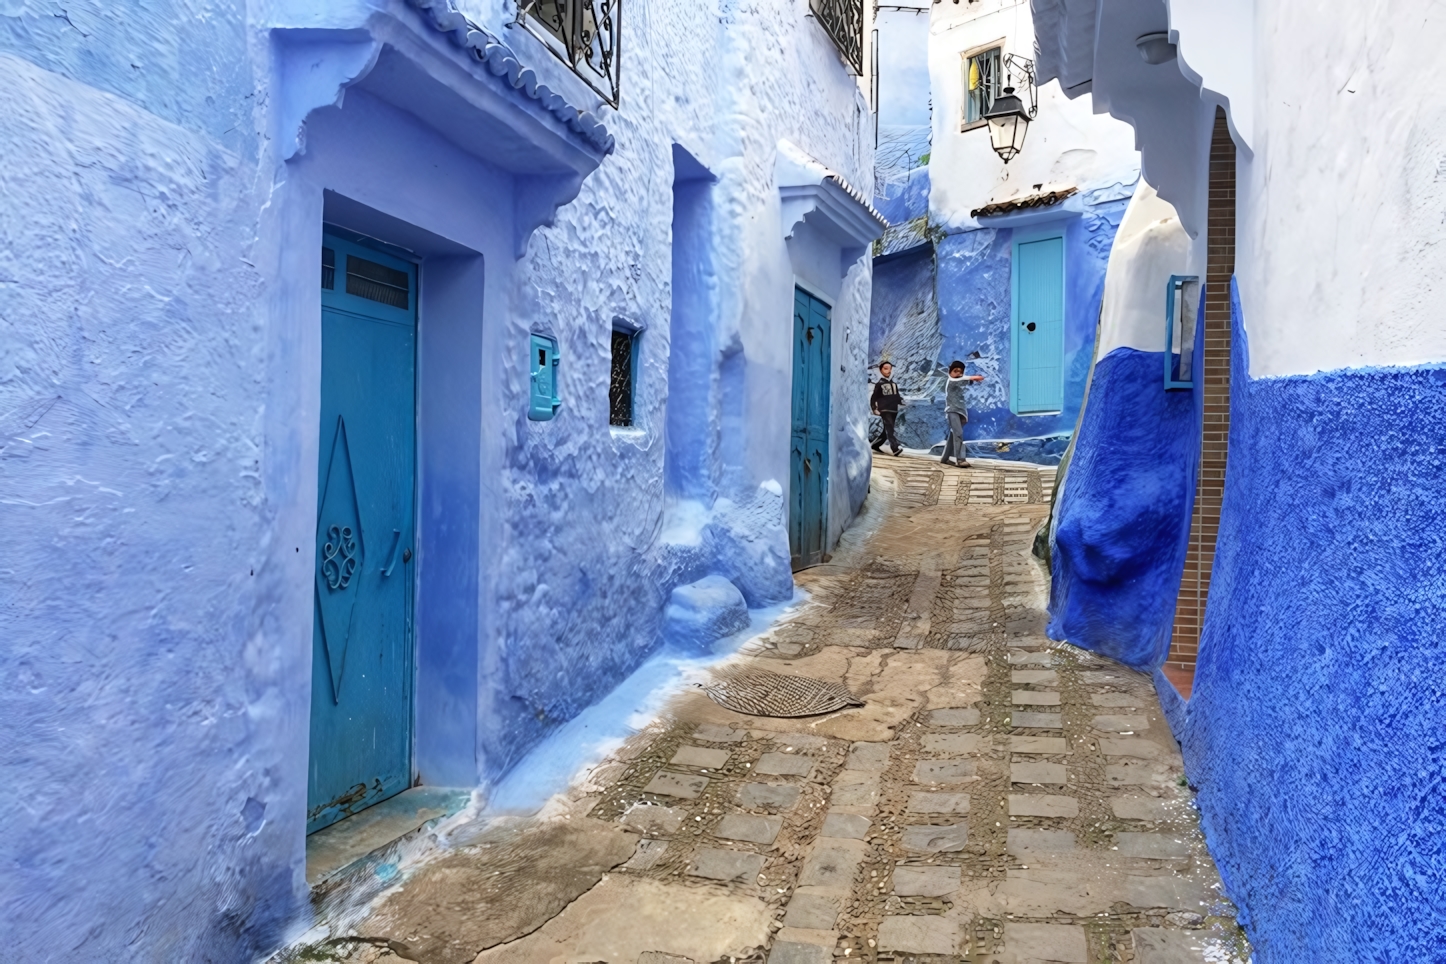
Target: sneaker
(877, 447)
(896, 452)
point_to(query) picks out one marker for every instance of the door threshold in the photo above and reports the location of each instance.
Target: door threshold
(333, 849)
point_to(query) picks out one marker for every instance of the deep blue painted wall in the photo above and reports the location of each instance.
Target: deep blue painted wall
(1316, 732)
(1123, 515)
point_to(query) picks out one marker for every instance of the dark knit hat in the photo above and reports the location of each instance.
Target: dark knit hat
(956, 363)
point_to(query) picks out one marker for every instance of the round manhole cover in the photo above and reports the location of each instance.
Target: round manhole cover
(761, 693)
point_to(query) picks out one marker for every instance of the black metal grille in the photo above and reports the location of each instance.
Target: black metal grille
(620, 387)
(328, 268)
(843, 21)
(377, 282)
(582, 34)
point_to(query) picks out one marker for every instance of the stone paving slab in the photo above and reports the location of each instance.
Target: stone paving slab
(832, 864)
(1044, 773)
(649, 818)
(700, 756)
(1169, 891)
(1054, 943)
(713, 733)
(714, 864)
(856, 789)
(868, 756)
(1141, 808)
(783, 764)
(951, 743)
(931, 839)
(1043, 745)
(1115, 699)
(1024, 840)
(1121, 724)
(1024, 720)
(1157, 945)
(1156, 846)
(1134, 774)
(812, 911)
(1039, 677)
(1035, 698)
(945, 771)
(914, 881)
(1141, 749)
(954, 717)
(685, 786)
(926, 802)
(929, 934)
(851, 826)
(743, 826)
(647, 855)
(761, 796)
(791, 952)
(1020, 657)
(1043, 891)
(1042, 805)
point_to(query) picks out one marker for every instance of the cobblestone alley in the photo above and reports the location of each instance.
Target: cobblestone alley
(996, 798)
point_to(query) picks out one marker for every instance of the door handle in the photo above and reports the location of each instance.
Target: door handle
(1029, 326)
(396, 542)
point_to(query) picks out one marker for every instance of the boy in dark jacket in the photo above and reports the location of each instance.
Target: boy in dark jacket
(885, 405)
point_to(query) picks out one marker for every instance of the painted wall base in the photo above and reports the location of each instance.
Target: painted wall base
(1315, 732)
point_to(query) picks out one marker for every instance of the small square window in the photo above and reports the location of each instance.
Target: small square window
(620, 386)
(983, 82)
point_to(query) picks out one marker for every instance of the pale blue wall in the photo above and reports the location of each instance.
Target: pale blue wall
(159, 323)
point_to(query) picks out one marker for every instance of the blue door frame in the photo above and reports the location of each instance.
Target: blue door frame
(808, 471)
(362, 655)
(1036, 383)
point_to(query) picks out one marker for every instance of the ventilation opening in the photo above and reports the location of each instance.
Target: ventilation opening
(377, 282)
(620, 387)
(328, 268)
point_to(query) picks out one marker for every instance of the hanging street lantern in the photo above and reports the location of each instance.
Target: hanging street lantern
(1010, 113)
(1008, 123)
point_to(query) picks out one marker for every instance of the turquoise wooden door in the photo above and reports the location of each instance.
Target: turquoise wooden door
(361, 664)
(808, 474)
(1037, 382)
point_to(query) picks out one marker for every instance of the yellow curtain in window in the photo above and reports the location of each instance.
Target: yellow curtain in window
(973, 73)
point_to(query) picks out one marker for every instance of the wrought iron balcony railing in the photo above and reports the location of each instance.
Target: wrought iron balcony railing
(582, 34)
(843, 21)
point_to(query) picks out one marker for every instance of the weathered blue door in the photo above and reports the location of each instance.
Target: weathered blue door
(361, 663)
(1037, 384)
(808, 476)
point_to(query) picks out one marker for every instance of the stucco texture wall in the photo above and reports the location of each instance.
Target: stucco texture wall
(1314, 729)
(1122, 516)
(158, 485)
(975, 315)
(147, 707)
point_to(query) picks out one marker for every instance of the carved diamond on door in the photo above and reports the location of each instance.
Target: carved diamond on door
(340, 553)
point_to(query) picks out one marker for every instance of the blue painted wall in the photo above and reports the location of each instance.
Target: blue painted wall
(971, 290)
(159, 429)
(1316, 732)
(1122, 518)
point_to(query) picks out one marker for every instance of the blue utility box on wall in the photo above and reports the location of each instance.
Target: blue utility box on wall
(544, 401)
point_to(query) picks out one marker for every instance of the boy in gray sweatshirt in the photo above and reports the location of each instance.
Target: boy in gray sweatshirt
(957, 413)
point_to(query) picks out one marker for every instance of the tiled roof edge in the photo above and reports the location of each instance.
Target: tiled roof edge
(502, 62)
(1021, 204)
(858, 196)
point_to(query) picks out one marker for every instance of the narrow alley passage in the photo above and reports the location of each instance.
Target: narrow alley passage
(996, 798)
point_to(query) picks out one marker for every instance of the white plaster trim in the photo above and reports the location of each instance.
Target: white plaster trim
(807, 189)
